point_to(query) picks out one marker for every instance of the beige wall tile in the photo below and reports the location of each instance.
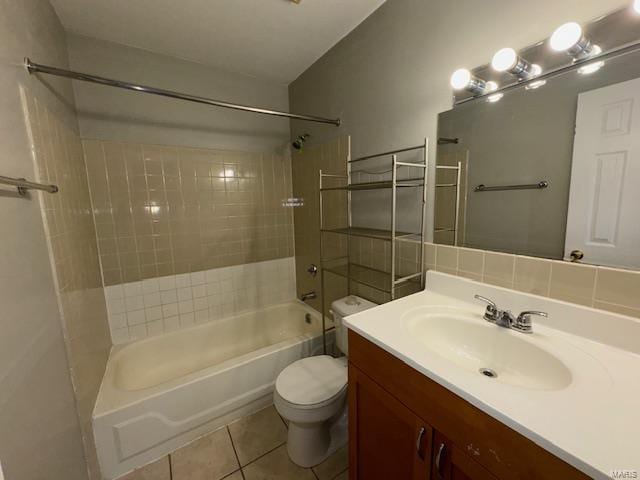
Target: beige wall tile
(447, 259)
(71, 234)
(173, 210)
(620, 287)
(532, 275)
(471, 261)
(572, 282)
(498, 269)
(631, 312)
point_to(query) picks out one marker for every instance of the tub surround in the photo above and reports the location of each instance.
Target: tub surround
(164, 304)
(599, 349)
(73, 253)
(163, 210)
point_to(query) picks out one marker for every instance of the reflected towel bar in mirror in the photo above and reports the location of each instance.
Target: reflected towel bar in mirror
(530, 186)
(24, 185)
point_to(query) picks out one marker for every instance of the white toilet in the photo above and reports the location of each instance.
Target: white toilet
(312, 395)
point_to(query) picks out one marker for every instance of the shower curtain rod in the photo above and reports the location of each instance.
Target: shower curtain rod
(38, 68)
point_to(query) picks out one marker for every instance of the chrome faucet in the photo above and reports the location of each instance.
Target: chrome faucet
(308, 296)
(504, 318)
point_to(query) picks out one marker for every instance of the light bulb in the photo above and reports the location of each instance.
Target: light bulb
(491, 86)
(566, 36)
(460, 79)
(536, 70)
(504, 59)
(591, 68)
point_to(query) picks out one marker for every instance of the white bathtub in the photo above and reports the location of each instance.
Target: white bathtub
(162, 392)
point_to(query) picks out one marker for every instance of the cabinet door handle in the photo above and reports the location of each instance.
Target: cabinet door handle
(439, 459)
(419, 440)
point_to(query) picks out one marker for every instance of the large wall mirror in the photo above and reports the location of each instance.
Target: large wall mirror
(551, 172)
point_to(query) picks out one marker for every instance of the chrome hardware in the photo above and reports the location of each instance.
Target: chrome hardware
(504, 318)
(85, 77)
(308, 296)
(23, 186)
(419, 440)
(312, 270)
(524, 324)
(542, 184)
(576, 256)
(439, 459)
(491, 313)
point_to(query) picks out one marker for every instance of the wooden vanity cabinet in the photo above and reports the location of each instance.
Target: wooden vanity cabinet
(405, 426)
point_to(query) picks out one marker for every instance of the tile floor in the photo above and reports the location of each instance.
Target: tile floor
(252, 448)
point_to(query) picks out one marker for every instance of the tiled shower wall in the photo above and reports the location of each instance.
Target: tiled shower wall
(163, 210)
(73, 251)
(163, 304)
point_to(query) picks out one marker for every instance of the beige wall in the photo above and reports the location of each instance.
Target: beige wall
(114, 114)
(39, 429)
(73, 251)
(389, 78)
(163, 210)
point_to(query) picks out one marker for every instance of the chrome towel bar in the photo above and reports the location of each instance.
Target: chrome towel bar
(529, 186)
(24, 185)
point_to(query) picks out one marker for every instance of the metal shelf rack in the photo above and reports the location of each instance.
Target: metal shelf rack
(387, 282)
(458, 169)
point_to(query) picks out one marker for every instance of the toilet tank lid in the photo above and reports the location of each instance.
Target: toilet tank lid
(350, 305)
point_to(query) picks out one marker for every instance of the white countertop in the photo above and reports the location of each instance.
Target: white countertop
(592, 424)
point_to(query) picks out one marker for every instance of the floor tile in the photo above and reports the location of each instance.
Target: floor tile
(343, 476)
(276, 466)
(334, 465)
(158, 470)
(234, 476)
(208, 458)
(257, 434)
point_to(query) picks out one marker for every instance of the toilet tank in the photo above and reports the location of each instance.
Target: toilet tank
(342, 308)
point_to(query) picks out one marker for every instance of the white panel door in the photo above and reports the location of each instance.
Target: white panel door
(604, 200)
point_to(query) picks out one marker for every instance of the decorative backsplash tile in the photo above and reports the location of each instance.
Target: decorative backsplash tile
(158, 305)
(605, 288)
(163, 210)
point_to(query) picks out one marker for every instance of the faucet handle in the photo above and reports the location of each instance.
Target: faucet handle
(524, 324)
(491, 312)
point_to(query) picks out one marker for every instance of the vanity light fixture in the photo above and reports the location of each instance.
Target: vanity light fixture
(571, 39)
(462, 79)
(507, 60)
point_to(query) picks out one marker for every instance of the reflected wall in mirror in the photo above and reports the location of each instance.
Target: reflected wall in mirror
(568, 153)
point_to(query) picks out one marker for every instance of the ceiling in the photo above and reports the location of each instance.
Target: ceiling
(271, 39)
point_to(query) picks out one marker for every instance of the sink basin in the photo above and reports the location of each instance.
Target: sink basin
(497, 353)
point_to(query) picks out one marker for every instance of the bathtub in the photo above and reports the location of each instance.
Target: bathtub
(162, 392)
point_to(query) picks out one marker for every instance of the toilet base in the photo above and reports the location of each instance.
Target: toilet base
(310, 444)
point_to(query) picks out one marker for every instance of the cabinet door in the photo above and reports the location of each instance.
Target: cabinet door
(386, 439)
(451, 463)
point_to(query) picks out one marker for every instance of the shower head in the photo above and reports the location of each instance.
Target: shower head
(298, 143)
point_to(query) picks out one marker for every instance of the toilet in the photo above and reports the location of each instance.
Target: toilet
(311, 394)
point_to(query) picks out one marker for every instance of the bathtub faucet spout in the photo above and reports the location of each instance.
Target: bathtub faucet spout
(308, 296)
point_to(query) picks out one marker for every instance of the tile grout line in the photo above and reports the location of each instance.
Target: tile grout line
(235, 452)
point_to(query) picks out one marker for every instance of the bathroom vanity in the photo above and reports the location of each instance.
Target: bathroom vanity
(436, 391)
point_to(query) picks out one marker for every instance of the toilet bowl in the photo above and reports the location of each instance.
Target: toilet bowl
(312, 395)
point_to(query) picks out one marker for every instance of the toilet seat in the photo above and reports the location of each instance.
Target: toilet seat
(313, 382)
